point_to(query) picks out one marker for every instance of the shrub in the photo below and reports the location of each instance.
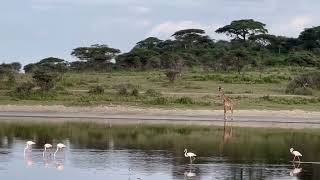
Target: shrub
(45, 80)
(152, 93)
(307, 80)
(184, 100)
(307, 59)
(303, 91)
(126, 89)
(172, 75)
(96, 90)
(160, 101)
(59, 88)
(135, 92)
(23, 90)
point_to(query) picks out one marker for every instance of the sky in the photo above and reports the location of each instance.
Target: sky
(31, 30)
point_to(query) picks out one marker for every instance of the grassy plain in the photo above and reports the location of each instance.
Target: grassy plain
(195, 89)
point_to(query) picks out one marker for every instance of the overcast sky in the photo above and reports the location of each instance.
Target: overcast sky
(34, 29)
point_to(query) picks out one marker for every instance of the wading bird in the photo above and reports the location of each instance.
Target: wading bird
(190, 155)
(29, 146)
(296, 154)
(59, 147)
(46, 146)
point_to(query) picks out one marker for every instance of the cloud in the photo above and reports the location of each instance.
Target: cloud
(294, 26)
(301, 22)
(142, 10)
(40, 7)
(166, 29)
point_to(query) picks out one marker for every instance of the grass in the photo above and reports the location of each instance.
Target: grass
(195, 89)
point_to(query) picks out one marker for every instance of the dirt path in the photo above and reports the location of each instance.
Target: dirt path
(123, 114)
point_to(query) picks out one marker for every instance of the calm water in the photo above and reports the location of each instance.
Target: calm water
(156, 152)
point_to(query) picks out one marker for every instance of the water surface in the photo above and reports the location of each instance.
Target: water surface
(155, 152)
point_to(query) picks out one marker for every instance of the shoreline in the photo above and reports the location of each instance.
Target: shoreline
(129, 115)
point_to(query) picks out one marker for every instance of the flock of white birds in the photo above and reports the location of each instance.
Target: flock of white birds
(29, 144)
(187, 154)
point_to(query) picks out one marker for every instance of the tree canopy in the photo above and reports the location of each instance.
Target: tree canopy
(242, 29)
(250, 45)
(97, 53)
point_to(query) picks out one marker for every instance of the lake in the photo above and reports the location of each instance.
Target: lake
(155, 152)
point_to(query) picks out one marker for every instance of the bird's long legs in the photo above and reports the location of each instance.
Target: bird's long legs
(294, 158)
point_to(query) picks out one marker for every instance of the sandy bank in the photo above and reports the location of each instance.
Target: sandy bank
(123, 114)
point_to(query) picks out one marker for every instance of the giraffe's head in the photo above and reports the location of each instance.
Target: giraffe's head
(220, 92)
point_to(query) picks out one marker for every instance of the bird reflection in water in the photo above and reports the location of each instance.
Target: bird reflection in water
(59, 165)
(190, 172)
(227, 135)
(28, 159)
(296, 169)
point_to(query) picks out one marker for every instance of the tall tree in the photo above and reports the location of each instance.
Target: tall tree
(310, 38)
(151, 43)
(96, 53)
(243, 29)
(191, 37)
(139, 58)
(50, 64)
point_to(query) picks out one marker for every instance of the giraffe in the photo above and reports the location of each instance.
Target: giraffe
(227, 103)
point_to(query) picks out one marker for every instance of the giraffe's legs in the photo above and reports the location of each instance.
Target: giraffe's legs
(225, 113)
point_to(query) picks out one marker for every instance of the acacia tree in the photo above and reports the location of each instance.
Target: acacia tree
(310, 38)
(97, 53)
(9, 71)
(190, 37)
(236, 59)
(151, 43)
(243, 29)
(50, 64)
(96, 57)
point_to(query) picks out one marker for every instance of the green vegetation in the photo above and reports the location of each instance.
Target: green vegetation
(182, 72)
(194, 89)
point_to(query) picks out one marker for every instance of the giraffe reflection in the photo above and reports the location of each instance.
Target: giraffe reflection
(227, 135)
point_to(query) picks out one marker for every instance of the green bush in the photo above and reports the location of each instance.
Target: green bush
(135, 92)
(152, 93)
(127, 89)
(45, 80)
(23, 90)
(59, 88)
(184, 100)
(307, 80)
(303, 91)
(172, 75)
(96, 90)
(160, 101)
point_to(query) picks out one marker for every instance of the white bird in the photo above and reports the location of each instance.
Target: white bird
(296, 154)
(46, 146)
(28, 146)
(189, 154)
(59, 147)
